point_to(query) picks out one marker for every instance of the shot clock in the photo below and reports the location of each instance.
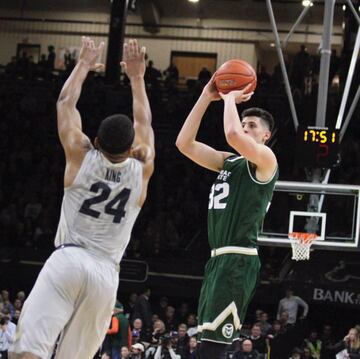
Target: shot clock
(317, 146)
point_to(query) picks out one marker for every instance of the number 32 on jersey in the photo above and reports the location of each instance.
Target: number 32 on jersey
(219, 192)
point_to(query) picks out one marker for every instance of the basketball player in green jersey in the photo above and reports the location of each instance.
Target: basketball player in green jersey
(238, 202)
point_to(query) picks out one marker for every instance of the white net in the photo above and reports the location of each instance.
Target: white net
(300, 244)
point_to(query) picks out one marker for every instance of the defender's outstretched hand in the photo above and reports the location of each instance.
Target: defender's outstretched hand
(238, 95)
(133, 63)
(89, 53)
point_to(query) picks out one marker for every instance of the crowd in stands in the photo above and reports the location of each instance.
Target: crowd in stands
(32, 160)
(154, 329)
(173, 220)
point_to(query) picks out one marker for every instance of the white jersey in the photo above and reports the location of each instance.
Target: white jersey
(99, 209)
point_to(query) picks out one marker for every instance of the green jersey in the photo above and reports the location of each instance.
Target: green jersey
(237, 204)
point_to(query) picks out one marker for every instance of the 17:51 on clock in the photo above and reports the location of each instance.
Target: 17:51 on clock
(322, 136)
(317, 147)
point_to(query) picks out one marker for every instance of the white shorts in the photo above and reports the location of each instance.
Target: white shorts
(73, 296)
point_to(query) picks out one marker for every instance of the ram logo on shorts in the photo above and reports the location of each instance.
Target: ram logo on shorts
(228, 330)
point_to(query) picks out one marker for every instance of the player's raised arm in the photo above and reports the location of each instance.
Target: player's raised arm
(186, 142)
(133, 65)
(73, 140)
(248, 138)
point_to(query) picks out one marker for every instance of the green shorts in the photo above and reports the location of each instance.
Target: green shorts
(228, 286)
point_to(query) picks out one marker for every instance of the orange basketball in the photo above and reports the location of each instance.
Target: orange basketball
(235, 75)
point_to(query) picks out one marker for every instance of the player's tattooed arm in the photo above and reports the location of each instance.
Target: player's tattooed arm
(133, 65)
(68, 117)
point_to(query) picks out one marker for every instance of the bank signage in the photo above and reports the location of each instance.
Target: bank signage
(348, 297)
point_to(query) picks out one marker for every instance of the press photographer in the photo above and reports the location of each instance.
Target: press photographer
(165, 349)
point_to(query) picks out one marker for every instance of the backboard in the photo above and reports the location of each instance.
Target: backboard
(329, 210)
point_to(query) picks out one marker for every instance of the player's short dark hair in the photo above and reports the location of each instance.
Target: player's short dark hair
(116, 134)
(259, 112)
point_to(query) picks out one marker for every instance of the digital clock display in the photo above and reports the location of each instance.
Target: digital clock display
(321, 136)
(317, 147)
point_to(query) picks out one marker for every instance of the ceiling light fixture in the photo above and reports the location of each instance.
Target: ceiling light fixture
(307, 3)
(193, 1)
(344, 7)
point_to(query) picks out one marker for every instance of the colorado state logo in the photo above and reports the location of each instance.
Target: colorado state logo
(228, 330)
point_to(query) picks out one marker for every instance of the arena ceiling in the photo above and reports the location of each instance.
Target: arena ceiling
(285, 10)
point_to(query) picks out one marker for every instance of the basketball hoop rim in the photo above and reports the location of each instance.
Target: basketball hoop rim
(300, 245)
(302, 237)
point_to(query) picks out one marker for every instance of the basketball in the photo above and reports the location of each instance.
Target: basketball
(235, 75)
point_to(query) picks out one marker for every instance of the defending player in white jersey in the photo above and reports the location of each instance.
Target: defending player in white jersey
(105, 188)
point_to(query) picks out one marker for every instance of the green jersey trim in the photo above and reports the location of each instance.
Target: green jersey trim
(230, 309)
(217, 341)
(255, 180)
(249, 251)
